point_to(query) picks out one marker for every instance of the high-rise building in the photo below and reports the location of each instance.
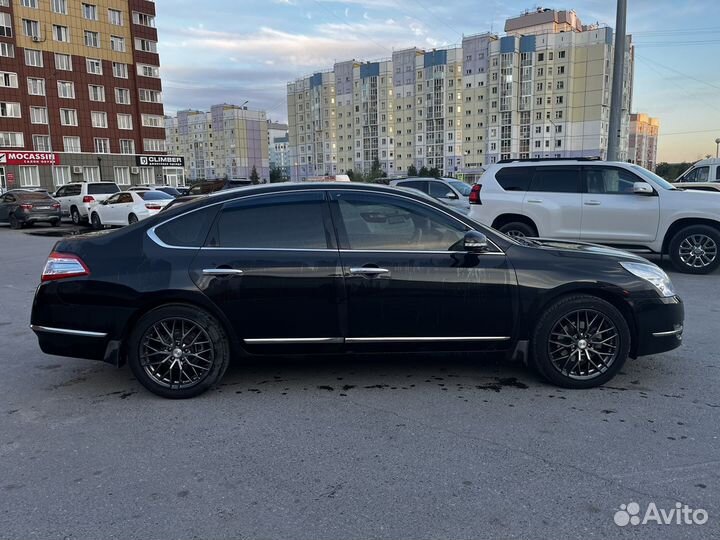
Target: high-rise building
(644, 132)
(226, 142)
(79, 81)
(542, 90)
(279, 147)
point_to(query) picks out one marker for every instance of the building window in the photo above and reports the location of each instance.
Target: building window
(91, 174)
(90, 12)
(153, 120)
(150, 96)
(7, 50)
(8, 80)
(559, 100)
(30, 3)
(61, 176)
(99, 119)
(124, 121)
(145, 45)
(60, 6)
(144, 19)
(146, 70)
(147, 175)
(120, 70)
(102, 146)
(117, 43)
(33, 58)
(31, 28)
(122, 96)
(115, 17)
(96, 92)
(92, 39)
(29, 176)
(38, 115)
(36, 87)
(561, 70)
(61, 33)
(127, 146)
(122, 176)
(68, 117)
(154, 145)
(561, 54)
(9, 110)
(72, 144)
(66, 89)
(63, 62)
(5, 25)
(41, 143)
(11, 140)
(94, 66)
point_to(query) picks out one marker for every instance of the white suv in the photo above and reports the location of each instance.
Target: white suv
(613, 203)
(77, 198)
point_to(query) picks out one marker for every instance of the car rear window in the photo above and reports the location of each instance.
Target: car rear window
(188, 230)
(154, 195)
(170, 191)
(102, 189)
(515, 178)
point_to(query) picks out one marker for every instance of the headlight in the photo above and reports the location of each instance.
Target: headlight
(652, 274)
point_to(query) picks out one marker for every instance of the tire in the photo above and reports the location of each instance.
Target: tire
(164, 375)
(15, 223)
(518, 228)
(55, 223)
(696, 249)
(132, 218)
(607, 343)
(75, 216)
(95, 221)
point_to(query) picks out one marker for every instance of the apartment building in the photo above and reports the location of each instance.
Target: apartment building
(542, 90)
(279, 147)
(80, 93)
(644, 132)
(226, 142)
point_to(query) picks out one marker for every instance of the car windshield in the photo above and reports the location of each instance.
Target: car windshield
(660, 181)
(155, 196)
(462, 187)
(102, 189)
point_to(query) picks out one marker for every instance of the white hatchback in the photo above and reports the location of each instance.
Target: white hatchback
(128, 207)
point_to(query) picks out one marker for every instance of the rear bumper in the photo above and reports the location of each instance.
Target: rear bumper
(40, 217)
(659, 325)
(72, 342)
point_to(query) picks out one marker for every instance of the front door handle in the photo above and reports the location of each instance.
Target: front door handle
(222, 272)
(592, 203)
(535, 201)
(370, 271)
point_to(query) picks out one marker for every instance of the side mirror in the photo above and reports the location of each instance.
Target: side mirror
(475, 242)
(451, 195)
(643, 188)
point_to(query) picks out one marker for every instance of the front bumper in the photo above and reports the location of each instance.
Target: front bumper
(659, 325)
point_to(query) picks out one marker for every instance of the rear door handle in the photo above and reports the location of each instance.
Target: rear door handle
(370, 271)
(535, 201)
(592, 203)
(222, 272)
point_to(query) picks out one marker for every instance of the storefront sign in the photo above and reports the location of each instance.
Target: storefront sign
(10, 179)
(160, 161)
(29, 158)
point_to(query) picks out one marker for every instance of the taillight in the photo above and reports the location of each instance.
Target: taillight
(62, 266)
(88, 199)
(26, 206)
(151, 206)
(475, 194)
(56, 206)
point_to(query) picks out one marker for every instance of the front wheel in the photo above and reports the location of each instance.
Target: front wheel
(694, 249)
(580, 342)
(95, 220)
(178, 351)
(15, 223)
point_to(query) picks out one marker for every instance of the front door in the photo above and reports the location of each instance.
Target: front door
(271, 265)
(612, 212)
(410, 283)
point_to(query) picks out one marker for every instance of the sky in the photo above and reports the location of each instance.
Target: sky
(232, 51)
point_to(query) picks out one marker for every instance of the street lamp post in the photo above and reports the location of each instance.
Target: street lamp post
(717, 147)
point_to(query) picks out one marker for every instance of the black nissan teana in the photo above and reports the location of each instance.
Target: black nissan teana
(316, 268)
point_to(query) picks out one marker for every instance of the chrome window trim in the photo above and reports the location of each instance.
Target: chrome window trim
(67, 331)
(213, 248)
(412, 251)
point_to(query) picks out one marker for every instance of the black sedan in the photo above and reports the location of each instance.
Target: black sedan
(20, 207)
(313, 268)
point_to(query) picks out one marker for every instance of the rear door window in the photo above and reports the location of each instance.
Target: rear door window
(102, 189)
(188, 230)
(515, 178)
(556, 180)
(420, 185)
(73, 191)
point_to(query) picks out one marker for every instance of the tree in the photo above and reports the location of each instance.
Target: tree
(276, 175)
(254, 176)
(670, 171)
(412, 171)
(424, 172)
(434, 172)
(375, 171)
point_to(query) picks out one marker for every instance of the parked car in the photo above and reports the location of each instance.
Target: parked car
(312, 268)
(703, 175)
(452, 192)
(211, 186)
(616, 204)
(77, 198)
(128, 207)
(183, 191)
(19, 208)
(165, 189)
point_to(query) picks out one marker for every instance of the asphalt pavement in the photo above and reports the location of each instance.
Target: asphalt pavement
(393, 447)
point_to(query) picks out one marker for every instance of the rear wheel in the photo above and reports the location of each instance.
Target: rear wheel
(15, 222)
(75, 216)
(694, 249)
(178, 351)
(518, 229)
(132, 218)
(580, 342)
(95, 220)
(55, 223)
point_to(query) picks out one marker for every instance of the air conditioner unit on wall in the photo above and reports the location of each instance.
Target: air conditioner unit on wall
(77, 170)
(134, 170)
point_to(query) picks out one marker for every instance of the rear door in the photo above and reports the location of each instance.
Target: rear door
(612, 212)
(271, 265)
(554, 202)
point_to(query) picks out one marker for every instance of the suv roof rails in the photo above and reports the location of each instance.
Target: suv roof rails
(535, 160)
